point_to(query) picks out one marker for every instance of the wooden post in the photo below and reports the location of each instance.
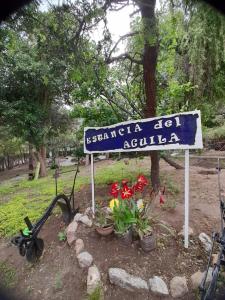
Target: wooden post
(37, 171)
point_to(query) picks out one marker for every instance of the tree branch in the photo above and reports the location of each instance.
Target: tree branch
(130, 103)
(122, 38)
(134, 12)
(123, 56)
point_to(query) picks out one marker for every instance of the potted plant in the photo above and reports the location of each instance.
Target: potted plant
(144, 230)
(103, 223)
(124, 217)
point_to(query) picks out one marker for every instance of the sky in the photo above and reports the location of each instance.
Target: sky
(118, 22)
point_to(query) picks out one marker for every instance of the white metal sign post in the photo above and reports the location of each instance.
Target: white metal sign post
(92, 185)
(177, 131)
(186, 199)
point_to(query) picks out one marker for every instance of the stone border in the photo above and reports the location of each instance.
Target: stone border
(119, 277)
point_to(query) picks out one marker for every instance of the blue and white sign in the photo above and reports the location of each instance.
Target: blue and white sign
(178, 131)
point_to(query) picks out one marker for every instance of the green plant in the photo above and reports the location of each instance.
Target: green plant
(7, 275)
(62, 236)
(58, 282)
(97, 294)
(124, 215)
(102, 218)
(31, 198)
(143, 227)
(170, 204)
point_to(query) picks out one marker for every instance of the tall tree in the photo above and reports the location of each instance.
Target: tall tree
(136, 62)
(37, 63)
(150, 55)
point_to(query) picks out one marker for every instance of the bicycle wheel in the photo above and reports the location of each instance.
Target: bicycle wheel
(211, 290)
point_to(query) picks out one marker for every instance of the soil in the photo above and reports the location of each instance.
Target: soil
(58, 276)
(14, 173)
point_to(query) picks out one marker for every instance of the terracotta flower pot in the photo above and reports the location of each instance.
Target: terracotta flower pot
(106, 230)
(148, 243)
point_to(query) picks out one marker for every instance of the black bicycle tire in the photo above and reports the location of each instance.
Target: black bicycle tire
(211, 290)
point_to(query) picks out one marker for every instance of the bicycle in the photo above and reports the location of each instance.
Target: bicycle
(209, 292)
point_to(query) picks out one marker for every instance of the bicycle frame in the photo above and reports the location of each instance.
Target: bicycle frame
(208, 293)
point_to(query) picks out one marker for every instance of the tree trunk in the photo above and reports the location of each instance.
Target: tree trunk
(42, 159)
(147, 8)
(31, 163)
(2, 164)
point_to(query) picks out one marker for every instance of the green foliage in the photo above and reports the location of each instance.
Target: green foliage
(37, 63)
(58, 282)
(62, 236)
(9, 144)
(216, 133)
(102, 218)
(8, 277)
(96, 294)
(96, 114)
(31, 198)
(143, 227)
(206, 50)
(170, 186)
(190, 67)
(79, 152)
(124, 215)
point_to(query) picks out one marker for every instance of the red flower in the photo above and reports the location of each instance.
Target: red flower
(124, 182)
(114, 189)
(161, 200)
(142, 179)
(126, 192)
(138, 187)
(115, 185)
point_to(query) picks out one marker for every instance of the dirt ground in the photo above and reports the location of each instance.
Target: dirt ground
(58, 276)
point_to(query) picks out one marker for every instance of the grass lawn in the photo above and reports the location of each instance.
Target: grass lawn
(30, 198)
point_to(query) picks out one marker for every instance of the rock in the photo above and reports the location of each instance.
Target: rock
(71, 232)
(107, 210)
(158, 286)
(102, 157)
(88, 211)
(190, 231)
(85, 220)
(77, 217)
(121, 278)
(214, 258)
(79, 246)
(206, 241)
(178, 287)
(93, 279)
(85, 259)
(197, 277)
